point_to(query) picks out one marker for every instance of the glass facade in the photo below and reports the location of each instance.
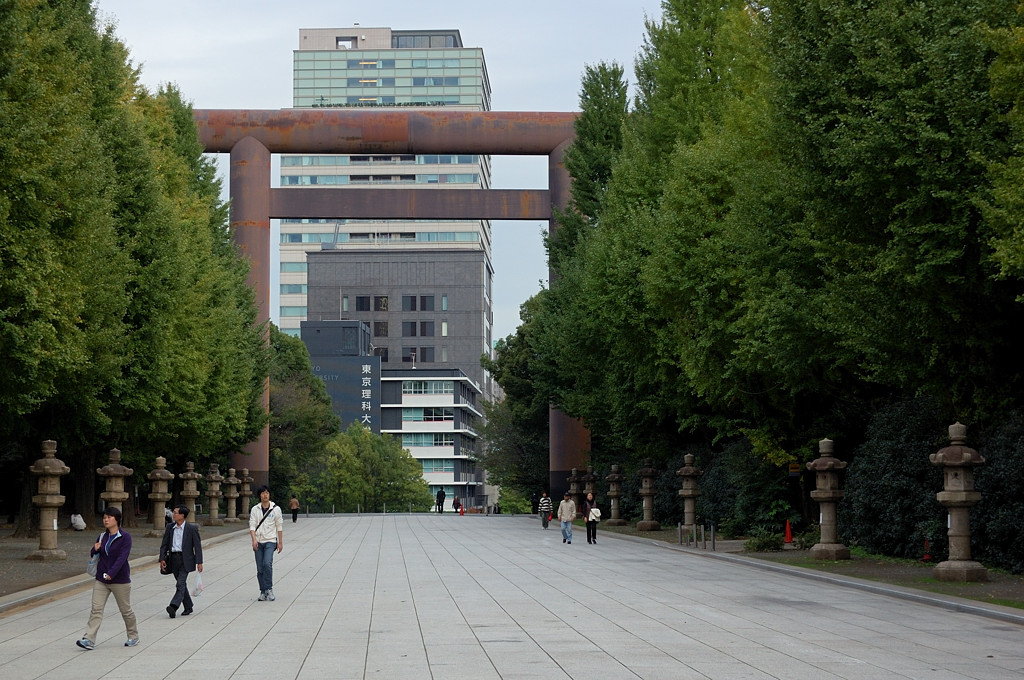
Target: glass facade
(380, 67)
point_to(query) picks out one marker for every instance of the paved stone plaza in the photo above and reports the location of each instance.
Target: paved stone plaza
(446, 597)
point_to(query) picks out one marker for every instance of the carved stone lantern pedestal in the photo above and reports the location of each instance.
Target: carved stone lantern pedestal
(647, 492)
(826, 468)
(161, 479)
(958, 495)
(115, 474)
(689, 491)
(231, 496)
(615, 493)
(213, 494)
(49, 470)
(190, 490)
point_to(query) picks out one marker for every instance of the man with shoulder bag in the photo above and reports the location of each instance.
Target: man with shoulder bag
(181, 552)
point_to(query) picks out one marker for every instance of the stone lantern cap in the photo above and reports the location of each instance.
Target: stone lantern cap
(114, 467)
(160, 473)
(214, 475)
(615, 475)
(957, 454)
(190, 471)
(231, 479)
(49, 464)
(826, 461)
(688, 469)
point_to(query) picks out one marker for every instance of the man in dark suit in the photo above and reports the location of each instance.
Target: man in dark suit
(181, 552)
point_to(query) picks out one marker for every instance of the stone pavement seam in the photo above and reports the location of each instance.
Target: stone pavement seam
(69, 586)
(948, 602)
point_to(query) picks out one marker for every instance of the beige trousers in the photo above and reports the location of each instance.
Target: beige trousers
(122, 593)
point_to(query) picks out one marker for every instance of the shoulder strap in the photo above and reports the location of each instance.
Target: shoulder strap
(265, 514)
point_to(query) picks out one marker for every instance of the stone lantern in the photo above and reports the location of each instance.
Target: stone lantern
(49, 469)
(574, 480)
(589, 480)
(245, 492)
(231, 495)
(161, 479)
(826, 475)
(190, 493)
(213, 494)
(614, 480)
(115, 495)
(647, 491)
(958, 495)
(689, 491)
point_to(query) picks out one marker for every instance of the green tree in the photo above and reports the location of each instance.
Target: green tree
(372, 472)
(302, 421)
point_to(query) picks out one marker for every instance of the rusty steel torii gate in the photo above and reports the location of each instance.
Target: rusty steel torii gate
(251, 136)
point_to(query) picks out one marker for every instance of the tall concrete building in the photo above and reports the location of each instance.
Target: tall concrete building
(423, 287)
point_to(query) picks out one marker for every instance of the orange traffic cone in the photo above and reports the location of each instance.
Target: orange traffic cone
(789, 535)
(927, 551)
(462, 510)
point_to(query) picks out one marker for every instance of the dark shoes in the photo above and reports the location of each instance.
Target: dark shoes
(171, 610)
(186, 612)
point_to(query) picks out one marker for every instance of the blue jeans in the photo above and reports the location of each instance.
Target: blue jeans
(265, 565)
(567, 530)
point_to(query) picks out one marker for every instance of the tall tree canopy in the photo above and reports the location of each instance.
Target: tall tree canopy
(125, 318)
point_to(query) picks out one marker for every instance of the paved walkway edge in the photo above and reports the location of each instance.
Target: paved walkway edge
(75, 583)
(948, 602)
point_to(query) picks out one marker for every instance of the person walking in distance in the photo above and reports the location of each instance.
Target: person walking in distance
(545, 508)
(440, 500)
(266, 526)
(113, 577)
(293, 505)
(181, 552)
(566, 514)
(591, 515)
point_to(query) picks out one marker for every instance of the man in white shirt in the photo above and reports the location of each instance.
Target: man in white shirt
(266, 526)
(181, 552)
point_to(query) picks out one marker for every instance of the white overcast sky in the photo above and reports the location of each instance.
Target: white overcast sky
(229, 54)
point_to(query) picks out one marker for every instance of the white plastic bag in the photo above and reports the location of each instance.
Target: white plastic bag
(198, 590)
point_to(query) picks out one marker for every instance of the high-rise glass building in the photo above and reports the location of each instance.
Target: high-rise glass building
(423, 287)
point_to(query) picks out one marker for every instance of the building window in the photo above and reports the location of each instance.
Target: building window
(362, 303)
(381, 352)
(427, 329)
(408, 329)
(428, 386)
(293, 267)
(444, 353)
(428, 439)
(444, 303)
(427, 354)
(293, 289)
(428, 415)
(426, 303)
(380, 329)
(408, 303)
(408, 355)
(438, 464)
(380, 303)
(444, 329)
(293, 311)
(344, 303)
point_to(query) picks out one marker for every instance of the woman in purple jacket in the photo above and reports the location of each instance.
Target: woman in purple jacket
(113, 576)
